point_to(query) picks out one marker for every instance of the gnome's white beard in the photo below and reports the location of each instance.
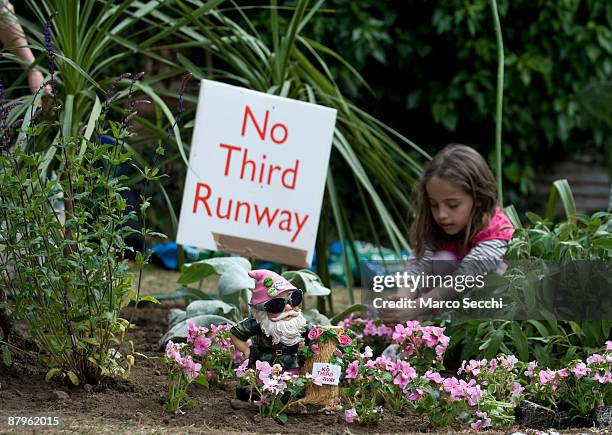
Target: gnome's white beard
(288, 332)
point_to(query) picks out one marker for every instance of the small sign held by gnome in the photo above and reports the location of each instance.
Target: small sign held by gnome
(276, 326)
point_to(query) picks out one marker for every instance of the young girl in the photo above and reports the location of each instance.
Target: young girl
(457, 217)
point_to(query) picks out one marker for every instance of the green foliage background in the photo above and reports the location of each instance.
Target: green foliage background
(432, 66)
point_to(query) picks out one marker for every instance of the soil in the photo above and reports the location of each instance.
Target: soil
(136, 405)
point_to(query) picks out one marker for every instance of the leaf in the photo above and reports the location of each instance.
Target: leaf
(196, 271)
(52, 373)
(148, 299)
(520, 342)
(220, 308)
(235, 279)
(308, 281)
(313, 317)
(190, 293)
(174, 316)
(561, 189)
(6, 356)
(492, 347)
(73, 377)
(202, 380)
(281, 418)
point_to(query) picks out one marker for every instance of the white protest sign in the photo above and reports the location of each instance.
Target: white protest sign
(258, 165)
(328, 374)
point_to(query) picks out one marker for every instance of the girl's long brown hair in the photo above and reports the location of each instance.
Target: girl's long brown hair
(465, 167)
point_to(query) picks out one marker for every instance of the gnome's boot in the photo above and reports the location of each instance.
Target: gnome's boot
(242, 399)
(245, 393)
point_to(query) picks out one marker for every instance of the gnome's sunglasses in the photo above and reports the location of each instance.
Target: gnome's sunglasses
(277, 305)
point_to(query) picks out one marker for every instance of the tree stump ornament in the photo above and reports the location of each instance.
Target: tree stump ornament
(325, 396)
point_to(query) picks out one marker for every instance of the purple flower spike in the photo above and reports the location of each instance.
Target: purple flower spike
(49, 45)
(3, 117)
(125, 75)
(184, 81)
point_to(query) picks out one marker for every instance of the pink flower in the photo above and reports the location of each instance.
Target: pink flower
(349, 415)
(179, 412)
(201, 345)
(263, 369)
(385, 363)
(352, 370)
(472, 392)
(237, 356)
(563, 373)
(370, 328)
(219, 329)
(399, 334)
(440, 351)
(338, 353)
(434, 376)
(385, 332)
(367, 353)
(608, 345)
(580, 370)
(508, 362)
(546, 376)
(482, 423)
(595, 359)
(605, 379)
(517, 391)
(173, 350)
(409, 350)
(530, 368)
(474, 366)
(224, 344)
(315, 348)
(415, 395)
(492, 365)
(240, 371)
(401, 380)
(315, 333)
(430, 340)
(190, 367)
(209, 375)
(344, 340)
(193, 330)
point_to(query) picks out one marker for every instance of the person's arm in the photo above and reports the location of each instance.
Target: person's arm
(12, 35)
(241, 332)
(242, 346)
(416, 266)
(483, 259)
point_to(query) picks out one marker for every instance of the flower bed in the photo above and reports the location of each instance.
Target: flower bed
(410, 376)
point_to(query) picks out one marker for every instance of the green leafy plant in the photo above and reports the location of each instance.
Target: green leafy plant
(64, 222)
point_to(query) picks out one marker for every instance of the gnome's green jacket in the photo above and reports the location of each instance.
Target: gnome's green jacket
(262, 348)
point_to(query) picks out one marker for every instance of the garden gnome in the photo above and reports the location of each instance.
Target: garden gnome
(276, 326)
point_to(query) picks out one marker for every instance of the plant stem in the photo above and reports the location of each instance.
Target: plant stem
(499, 100)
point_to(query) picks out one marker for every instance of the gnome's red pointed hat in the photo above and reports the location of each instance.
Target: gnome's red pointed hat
(268, 285)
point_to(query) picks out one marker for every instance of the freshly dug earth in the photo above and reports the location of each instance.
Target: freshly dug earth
(136, 405)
